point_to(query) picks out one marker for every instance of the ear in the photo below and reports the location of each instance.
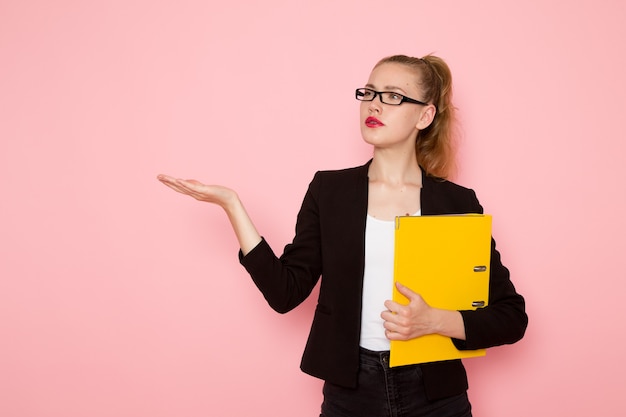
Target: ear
(426, 117)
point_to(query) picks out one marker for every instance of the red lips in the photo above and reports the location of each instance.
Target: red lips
(373, 122)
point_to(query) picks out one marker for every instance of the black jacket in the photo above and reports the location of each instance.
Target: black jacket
(330, 242)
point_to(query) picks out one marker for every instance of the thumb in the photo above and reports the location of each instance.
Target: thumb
(406, 291)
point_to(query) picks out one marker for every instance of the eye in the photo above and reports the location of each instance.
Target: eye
(393, 98)
(367, 93)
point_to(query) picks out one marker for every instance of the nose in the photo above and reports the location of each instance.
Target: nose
(375, 105)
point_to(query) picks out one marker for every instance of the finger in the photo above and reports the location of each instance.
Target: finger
(406, 291)
(193, 186)
(390, 326)
(399, 318)
(182, 186)
(169, 181)
(392, 335)
(174, 185)
(393, 306)
(387, 315)
(166, 179)
(395, 334)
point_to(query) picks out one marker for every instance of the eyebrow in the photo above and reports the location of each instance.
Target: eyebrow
(387, 88)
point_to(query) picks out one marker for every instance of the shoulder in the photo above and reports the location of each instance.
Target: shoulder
(341, 178)
(444, 185)
(447, 196)
(345, 173)
(340, 188)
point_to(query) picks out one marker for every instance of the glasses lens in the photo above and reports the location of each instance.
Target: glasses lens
(364, 94)
(392, 98)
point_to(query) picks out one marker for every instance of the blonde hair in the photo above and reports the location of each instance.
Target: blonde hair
(434, 145)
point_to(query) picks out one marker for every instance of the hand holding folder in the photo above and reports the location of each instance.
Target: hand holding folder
(446, 260)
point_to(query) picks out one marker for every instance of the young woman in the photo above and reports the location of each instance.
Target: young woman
(344, 234)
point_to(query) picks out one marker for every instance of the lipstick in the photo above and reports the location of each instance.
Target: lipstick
(373, 122)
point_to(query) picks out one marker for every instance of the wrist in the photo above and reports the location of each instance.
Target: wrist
(448, 323)
(231, 203)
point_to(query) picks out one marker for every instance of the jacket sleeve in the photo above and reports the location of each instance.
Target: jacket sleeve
(286, 281)
(504, 320)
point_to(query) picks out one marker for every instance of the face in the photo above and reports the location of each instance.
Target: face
(385, 125)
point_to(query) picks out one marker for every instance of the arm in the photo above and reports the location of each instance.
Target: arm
(503, 321)
(286, 281)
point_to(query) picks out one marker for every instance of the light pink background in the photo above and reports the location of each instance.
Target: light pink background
(120, 298)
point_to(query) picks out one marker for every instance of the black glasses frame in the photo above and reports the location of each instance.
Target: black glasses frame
(360, 95)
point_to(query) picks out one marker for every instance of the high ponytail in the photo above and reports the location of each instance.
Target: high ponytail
(435, 144)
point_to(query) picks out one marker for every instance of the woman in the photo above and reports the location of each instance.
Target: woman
(344, 232)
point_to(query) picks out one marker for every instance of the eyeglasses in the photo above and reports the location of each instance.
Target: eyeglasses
(386, 97)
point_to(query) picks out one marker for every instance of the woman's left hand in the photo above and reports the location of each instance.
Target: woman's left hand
(404, 322)
(417, 318)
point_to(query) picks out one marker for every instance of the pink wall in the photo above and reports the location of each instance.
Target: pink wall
(120, 298)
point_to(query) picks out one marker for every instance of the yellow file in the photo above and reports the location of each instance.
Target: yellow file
(446, 260)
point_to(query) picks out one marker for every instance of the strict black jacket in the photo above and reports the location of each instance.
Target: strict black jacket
(330, 242)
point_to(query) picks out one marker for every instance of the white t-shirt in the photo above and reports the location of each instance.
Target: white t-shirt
(377, 281)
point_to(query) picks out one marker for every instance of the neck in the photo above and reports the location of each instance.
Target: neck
(395, 168)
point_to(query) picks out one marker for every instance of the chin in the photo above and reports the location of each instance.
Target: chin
(369, 141)
(372, 138)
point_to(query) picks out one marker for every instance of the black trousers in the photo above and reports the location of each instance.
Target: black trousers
(389, 392)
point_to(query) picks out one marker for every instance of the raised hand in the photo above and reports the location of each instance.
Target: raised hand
(215, 194)
(226, 198)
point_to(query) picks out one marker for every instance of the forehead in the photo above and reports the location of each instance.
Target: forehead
(395, 75)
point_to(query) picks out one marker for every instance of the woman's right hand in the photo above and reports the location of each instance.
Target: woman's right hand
(226, 198)
(215, 194)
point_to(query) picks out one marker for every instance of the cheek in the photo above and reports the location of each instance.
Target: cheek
(400, 121)
(364, 109)
(410, 120)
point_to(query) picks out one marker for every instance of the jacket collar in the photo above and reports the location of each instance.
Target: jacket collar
(428, 194)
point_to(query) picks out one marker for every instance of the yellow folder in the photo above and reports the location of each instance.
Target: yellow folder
(445, 259)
